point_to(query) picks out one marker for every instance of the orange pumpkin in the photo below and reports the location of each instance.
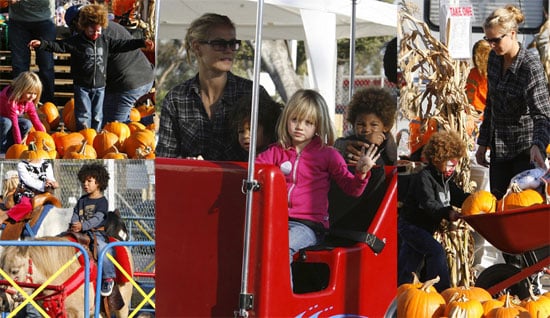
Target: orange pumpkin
(115, 154)
(135, 115)
(490, 304)
(52, 114)
(15, 151)
(420, 302)
(146, 110)
(121, 130)
(514, 200)
(89, 134)
(473, 292)
(139, 143)
(508, 310)
(479, 202)
(471, 307)
(537, 306)
(104, 142)
(69, 140)
(69, 118)
(82, 151)
(41, 139)
(34, 152)
(135, 126)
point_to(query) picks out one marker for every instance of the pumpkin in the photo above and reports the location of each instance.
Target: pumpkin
(115, 154)
(69, 119)
(135, 115)
(537, 306)
(508, 310)
(514, 200)
(34, 152)
(488, 305)
(146, 109)
(471, 307)
(135, 126)
(121, 130)
(52, 114)
(15, 151)
(43, 120)
(69, 140)
(144, 153)
(89, 134)
(82, 151)
(104, 142)
(473, 292)
(420, 302)
(142, 141)
(479, 202)
(41, 139)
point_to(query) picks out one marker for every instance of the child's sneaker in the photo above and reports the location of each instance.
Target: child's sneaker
(107, 287)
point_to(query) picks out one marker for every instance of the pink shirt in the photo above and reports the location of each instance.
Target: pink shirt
(13, 110)
(308, 176)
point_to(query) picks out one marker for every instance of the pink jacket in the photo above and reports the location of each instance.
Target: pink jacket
(308, 177)
(12, 110)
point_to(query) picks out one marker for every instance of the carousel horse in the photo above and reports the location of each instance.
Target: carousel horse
(46, 259)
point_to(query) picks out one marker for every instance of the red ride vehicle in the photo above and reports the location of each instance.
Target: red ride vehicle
(200, 223)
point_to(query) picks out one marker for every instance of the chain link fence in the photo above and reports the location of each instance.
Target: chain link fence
(131, 190)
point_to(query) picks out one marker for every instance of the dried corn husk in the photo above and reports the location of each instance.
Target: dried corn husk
(439, 94)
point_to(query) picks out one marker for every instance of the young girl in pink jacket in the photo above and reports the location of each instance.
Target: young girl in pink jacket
(16, 100)
(309, 162)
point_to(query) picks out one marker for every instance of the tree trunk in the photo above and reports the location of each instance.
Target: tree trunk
(276, 61)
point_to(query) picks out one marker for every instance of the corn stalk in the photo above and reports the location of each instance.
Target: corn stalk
(439, 93)
(542, 42)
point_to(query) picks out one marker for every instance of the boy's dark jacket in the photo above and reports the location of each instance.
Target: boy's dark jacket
(423, 207)
(89, 58)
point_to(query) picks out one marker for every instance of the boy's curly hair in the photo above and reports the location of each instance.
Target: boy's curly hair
(96, 171)
(373, 100)
(443, 146)
(93, 14)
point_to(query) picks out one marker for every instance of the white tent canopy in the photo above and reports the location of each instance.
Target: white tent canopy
(318, 22)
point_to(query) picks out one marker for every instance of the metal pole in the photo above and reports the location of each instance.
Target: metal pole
(352, 51)
(246, 300)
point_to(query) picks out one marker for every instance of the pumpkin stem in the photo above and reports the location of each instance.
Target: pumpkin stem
(415, 278)
(83, 148)
(429, 283)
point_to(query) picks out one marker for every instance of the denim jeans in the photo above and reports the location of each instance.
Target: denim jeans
(88, 107)
(20, 33)
(108, 266)
(6, 134)
(117, 105)
(418, 246)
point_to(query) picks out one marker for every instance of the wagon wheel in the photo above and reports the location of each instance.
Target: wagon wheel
(499, 272)
(391, 312)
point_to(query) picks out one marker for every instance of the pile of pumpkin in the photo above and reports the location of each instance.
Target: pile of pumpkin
(526, 189)
(117, 140)
(421, 300)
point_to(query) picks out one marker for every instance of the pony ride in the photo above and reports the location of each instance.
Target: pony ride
(37, 263)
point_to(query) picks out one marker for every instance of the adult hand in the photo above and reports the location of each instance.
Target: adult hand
(537, 158)
(480, 156)
(149, 44)
(353, 151)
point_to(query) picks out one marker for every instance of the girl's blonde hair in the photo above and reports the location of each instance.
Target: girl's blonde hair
(10, 183)
(480, 54)
(199, 30)
(508, 18)
(307, 104)
(26, 82)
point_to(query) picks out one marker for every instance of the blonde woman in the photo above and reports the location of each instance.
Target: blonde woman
(9, 185)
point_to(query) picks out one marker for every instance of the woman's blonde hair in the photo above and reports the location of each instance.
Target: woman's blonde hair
(507, 18)
(26, 82)
(307, 104)
(199, 30)
(480, 56)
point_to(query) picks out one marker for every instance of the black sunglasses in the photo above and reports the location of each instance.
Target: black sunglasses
(494, 40)
(221, 45)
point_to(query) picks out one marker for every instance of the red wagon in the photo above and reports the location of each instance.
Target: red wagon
(524, 232)
(200, 215)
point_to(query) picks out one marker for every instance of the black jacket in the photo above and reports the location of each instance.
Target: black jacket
(429, 199)
(89, 58)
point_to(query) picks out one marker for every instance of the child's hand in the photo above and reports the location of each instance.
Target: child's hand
(76, 227)
(149, 44)
(51, 184)
(376, 138)
(34, 43)
(367, 160)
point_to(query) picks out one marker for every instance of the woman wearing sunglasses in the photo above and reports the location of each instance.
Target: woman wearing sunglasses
(195, 114)
(516, 124)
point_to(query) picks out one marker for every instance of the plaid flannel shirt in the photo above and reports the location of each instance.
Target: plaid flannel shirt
(185, 129)
(517, 114)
